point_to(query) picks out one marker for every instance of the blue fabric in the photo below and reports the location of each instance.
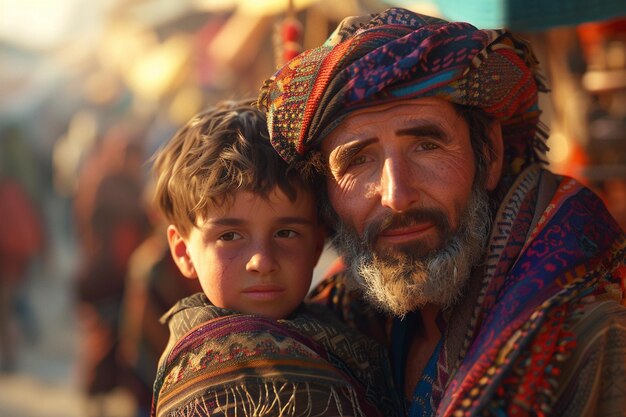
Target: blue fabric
(402, 331)
(524, 15)
(421, 405)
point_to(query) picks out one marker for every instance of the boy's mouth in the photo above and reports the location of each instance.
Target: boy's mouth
(263, 292)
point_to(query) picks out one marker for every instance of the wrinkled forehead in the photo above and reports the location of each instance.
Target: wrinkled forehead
(375, 120)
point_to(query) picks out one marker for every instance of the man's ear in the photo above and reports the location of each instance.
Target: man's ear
(496, 156)
(178, 249)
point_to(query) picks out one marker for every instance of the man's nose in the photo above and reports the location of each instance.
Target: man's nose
(397, 190)
(262, 260)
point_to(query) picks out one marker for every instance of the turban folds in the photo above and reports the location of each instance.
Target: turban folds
(397, 55)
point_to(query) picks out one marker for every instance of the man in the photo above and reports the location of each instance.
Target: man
(504, 281)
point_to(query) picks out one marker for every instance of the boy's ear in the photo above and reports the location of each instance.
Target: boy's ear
(178, 249)
(494, 166)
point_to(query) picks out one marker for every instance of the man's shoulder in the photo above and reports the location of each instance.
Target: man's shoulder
(597, 316)
(341, 295)
(592, 377)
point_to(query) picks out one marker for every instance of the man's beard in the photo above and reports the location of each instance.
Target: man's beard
(407, 277)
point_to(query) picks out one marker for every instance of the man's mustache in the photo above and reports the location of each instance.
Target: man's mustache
(408, 218)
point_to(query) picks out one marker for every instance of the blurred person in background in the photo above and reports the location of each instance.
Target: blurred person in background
(153, 285)
(111, 223)
(22, 239)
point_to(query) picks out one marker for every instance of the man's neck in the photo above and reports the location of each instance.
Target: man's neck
(421, 347)
(429, 314)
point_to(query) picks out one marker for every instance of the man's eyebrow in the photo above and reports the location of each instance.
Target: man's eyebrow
(344, 153)
(426, 130)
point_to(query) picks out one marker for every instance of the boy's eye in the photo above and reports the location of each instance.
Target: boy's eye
(228, 236)
(286, 233)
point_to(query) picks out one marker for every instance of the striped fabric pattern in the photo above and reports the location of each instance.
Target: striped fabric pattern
(397, 55)
(242, 365)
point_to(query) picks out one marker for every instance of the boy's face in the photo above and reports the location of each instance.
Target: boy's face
(254, 255)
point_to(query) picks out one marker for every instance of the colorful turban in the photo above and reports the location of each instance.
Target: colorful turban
(398, 55)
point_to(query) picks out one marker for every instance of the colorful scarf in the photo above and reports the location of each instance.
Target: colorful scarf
(223, 363)
(399, 55)
(555, 254)
(553, 246)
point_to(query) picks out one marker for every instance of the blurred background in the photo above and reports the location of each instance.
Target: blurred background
(90, 89)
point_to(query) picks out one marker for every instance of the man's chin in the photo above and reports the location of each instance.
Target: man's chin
(402, 278)
(391, 287)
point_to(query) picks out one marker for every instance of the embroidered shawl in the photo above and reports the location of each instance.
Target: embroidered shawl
(222, 363)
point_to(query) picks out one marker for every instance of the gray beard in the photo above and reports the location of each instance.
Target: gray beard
(405, 279)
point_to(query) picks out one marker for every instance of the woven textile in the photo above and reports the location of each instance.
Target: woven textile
(541, 327)
(397, 55)
(220, 363)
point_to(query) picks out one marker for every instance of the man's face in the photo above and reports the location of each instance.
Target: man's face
(401, 184)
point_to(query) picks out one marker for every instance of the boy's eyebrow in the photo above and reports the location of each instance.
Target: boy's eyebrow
(225, 221)
(294, 220)
(233, 221)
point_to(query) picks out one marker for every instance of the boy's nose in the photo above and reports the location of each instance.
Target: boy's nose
(262, 261)
(397, 191)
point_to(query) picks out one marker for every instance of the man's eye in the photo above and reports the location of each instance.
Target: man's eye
(427, 146)
(359, 160)
(286, 233)
(228, 236)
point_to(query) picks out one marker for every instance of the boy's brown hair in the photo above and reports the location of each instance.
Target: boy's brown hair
(219, 152)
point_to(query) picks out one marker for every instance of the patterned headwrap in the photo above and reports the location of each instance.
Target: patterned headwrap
(398, 55)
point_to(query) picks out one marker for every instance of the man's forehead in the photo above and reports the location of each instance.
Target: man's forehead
(380, 116)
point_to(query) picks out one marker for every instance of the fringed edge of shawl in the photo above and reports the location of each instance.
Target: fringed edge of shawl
(271, 398)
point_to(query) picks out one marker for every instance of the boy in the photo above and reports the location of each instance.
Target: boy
(247, 228)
